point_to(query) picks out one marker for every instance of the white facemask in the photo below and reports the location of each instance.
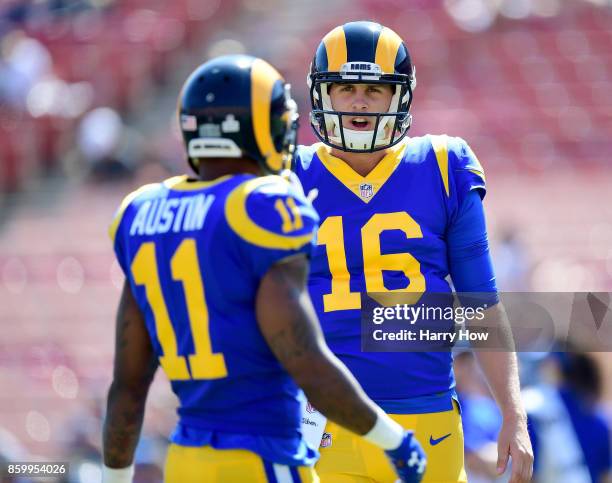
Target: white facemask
(360, 140)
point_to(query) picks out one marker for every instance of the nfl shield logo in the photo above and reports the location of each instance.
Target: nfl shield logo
(366, 190)
(309, 408)
(326, 440)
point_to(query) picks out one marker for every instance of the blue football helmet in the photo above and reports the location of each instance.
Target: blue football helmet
(238, 106)
(361, 53)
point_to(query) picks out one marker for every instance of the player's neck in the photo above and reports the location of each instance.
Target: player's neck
(361, 163)
(211, 169)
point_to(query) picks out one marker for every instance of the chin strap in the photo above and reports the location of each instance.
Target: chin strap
(359, 139)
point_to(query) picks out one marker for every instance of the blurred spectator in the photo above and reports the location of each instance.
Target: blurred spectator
(103, 141)
(481, 420)
(24, 62)
(570, 437)
(511, 264)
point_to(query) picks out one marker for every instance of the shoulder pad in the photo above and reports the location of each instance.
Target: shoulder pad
(455, 158)
(463, 157)
(270, 213)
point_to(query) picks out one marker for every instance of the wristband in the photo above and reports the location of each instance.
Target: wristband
(386, 433)
(117, 475)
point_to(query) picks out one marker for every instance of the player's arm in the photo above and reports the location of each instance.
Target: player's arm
(472, 272)
(134, 367)
(289, 325)
(501, 372)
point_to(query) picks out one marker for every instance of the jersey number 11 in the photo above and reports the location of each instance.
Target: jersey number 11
(184, 266)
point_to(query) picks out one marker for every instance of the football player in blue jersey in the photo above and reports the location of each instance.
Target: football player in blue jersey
(398, 217)
(215, 294)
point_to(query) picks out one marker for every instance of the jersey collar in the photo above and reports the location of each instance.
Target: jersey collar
(185, 183)
(364, 187)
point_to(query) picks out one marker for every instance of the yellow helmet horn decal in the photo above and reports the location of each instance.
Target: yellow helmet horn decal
(335, 45)
(263, 77)
(386, 50)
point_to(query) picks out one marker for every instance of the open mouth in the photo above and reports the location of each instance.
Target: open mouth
(360, 123)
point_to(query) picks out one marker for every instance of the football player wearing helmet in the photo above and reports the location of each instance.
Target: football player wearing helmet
(215, 294)
(398, 216)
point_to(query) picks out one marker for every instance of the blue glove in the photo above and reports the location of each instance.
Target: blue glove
(408, 459)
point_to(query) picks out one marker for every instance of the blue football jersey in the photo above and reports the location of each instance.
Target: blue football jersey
(194, 253)
(386, 233)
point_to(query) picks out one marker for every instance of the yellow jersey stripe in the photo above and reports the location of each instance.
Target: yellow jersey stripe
(181, 183)
(480, 174)
(440, 145)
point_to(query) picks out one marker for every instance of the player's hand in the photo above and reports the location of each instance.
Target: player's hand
(514, 442)
(408, 459)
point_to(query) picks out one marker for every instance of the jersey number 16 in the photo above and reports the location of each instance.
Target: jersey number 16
(331, 234)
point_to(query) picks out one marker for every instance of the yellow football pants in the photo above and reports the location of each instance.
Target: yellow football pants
(186, 464)
(351, 459)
